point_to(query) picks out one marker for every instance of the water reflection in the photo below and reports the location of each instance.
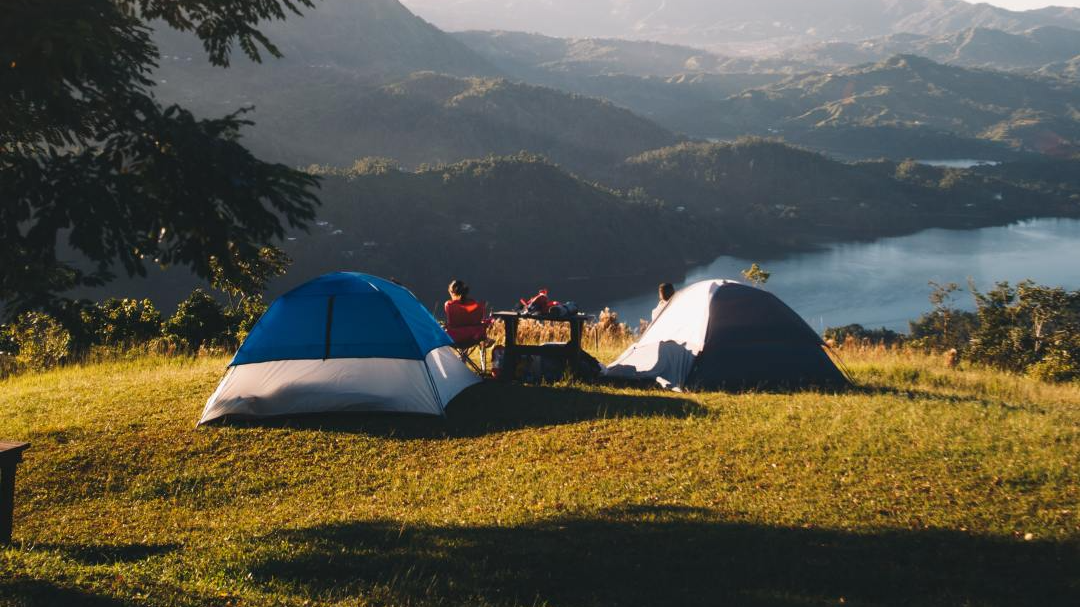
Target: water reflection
(884, 283)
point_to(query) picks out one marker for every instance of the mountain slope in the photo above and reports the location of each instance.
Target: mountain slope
(973, 47)
(369, 40)
(368, 78)
(516, 51)
(327, 118)
(742, 24)
(670, 84)
(1069, 70)
(910, 92)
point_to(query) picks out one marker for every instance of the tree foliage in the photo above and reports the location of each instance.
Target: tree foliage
(92, 166)
(756, 275)
(1029, 328)
(199, 321)
(122, 322)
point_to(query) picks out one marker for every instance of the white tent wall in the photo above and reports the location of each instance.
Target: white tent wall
(297, 387)
(449, 374)
(670, 345)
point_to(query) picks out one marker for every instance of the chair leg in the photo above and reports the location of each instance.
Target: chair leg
(472, 365)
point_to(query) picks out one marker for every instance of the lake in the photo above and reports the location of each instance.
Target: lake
(884, 283)
(959, 163)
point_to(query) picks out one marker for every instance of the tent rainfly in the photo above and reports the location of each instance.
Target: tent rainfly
(345, 342)
(722, 334)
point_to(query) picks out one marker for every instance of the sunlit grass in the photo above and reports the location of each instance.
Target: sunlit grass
(919, 487)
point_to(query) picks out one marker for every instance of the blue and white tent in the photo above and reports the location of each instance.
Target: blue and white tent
(344, 342)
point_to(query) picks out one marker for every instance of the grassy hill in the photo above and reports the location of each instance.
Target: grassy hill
(926, 486)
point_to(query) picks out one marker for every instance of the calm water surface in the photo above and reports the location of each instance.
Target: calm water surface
(884, 283)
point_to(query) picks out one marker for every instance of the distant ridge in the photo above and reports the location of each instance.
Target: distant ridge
(972, 47)
(728, 25)
(914, 94)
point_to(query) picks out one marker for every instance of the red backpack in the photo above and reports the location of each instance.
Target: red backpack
(540, 304)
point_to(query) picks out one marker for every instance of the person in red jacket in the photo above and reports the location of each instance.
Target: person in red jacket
(465, 322)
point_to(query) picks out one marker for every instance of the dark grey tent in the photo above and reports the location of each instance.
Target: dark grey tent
(725, 335)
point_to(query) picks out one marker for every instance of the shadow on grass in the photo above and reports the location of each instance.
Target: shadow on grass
(664, 556)
(870, 389)
(491, 408)
(38, 593)
(101, 554)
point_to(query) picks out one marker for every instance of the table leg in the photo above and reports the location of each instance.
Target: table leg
(576, 330)
(510, 356)
(7, 503)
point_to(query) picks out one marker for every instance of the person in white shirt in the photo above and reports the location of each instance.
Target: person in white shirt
(667, 291)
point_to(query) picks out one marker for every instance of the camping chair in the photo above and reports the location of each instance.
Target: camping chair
(467, 324)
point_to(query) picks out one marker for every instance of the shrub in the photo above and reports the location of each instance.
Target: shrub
(242, 318)
(123, 322)
(608, 331)
(1059, 365)
(862, 336)
(942, 330)
(1028, 328)
(8, 345)
(43, 343)
(199, 321)
(8, 349)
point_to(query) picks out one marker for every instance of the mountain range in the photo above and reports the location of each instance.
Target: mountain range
(735, 25)
(533, 56)
(368, 78)
(972, 47)
(912, 94)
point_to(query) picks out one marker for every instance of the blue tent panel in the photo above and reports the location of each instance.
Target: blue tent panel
(369, 326)
(363, 317)
(294, 328)
(428, 332)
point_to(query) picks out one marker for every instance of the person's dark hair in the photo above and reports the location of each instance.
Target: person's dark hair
(667, 291)
(459, 288)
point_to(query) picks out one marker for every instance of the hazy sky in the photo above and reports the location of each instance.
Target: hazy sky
(1021, 5)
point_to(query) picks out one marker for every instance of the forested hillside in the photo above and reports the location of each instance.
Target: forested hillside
(514, 224)
(777, 193)
(910, 92)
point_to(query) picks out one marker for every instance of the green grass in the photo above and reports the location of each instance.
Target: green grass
(924, 486)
